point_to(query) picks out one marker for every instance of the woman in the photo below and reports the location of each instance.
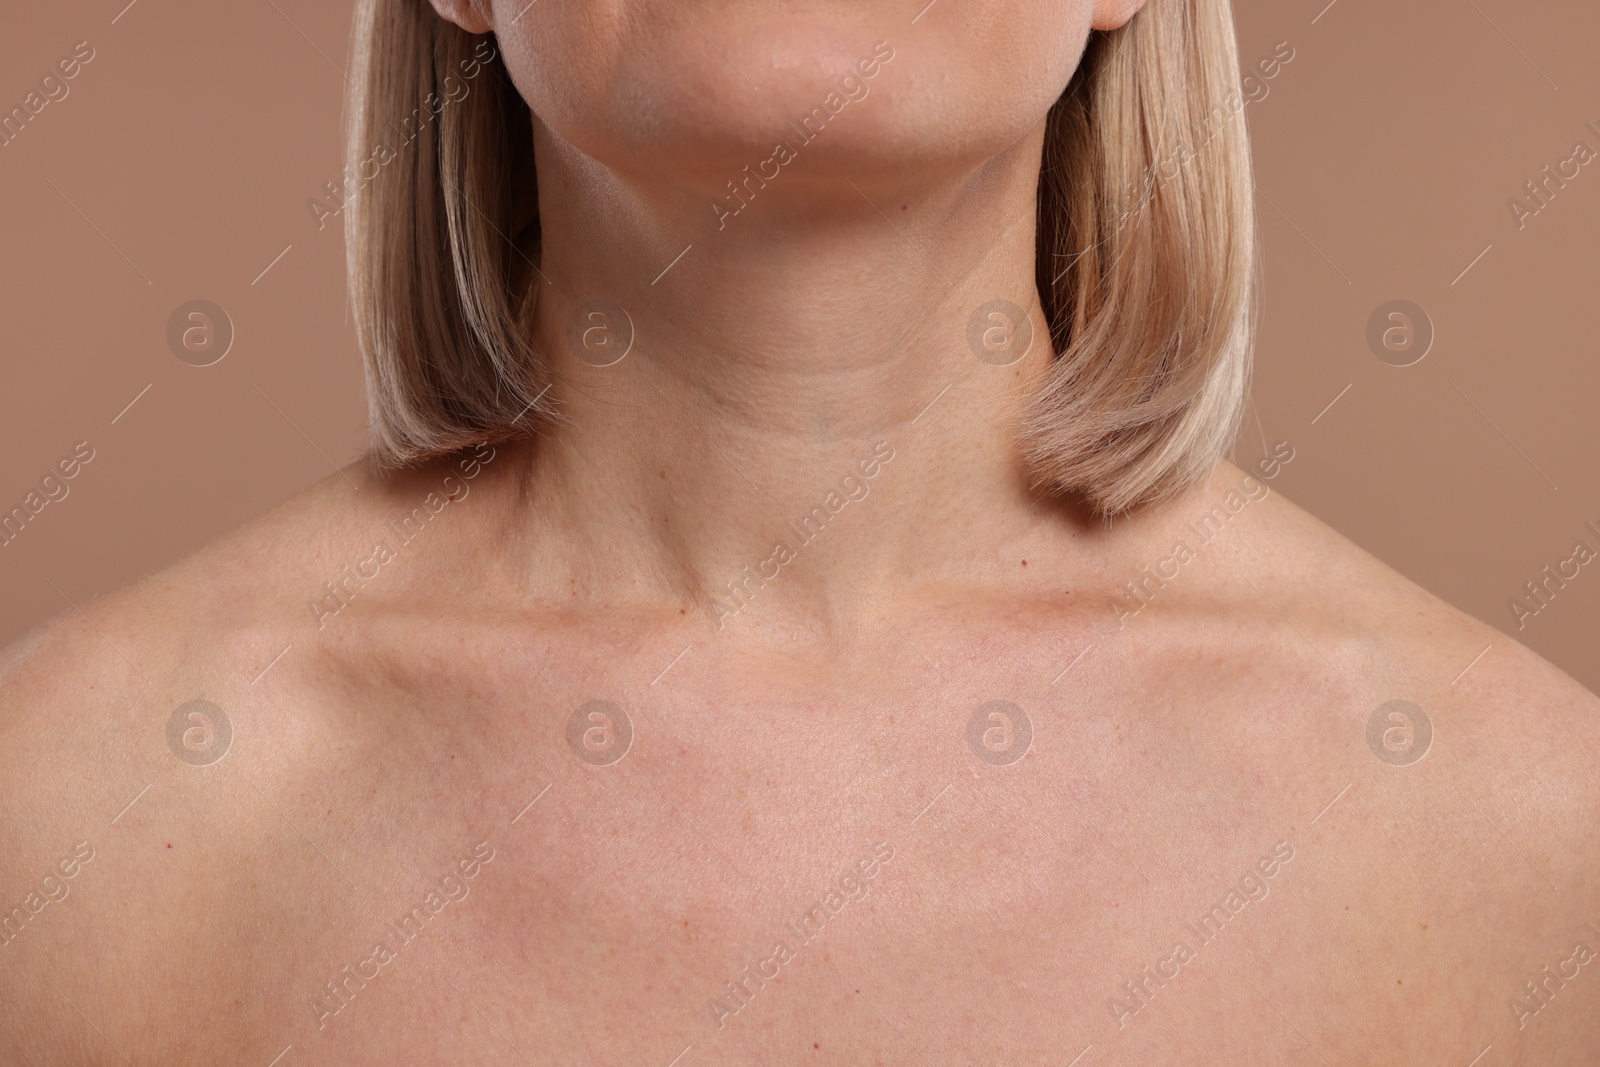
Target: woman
(796, 608)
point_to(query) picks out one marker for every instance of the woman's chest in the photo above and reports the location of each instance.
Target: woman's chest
(890, 872)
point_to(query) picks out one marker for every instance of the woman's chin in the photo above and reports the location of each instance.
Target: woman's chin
(818, 132)
(672, 87)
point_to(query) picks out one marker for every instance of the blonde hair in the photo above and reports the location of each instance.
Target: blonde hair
(1146, 278)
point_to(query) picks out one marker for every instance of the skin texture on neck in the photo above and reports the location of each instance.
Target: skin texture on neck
(792, 220)
(771, 360)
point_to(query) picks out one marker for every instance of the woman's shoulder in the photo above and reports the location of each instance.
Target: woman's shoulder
(1438, 777)
(98, 685)
(87, 697)
(209, 609)
(152, 738)
(1499, 746)
(1374, 630)
(1309, 575)
(227, 604)
(131, 772)
(163, 729)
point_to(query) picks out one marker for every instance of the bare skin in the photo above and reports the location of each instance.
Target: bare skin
(423, 718)
(1197, 768)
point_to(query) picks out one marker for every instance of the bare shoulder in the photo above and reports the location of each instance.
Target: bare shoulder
(1468, 827)
(220, 618)
(1403, 635)
(1525, 732)
(137, 785)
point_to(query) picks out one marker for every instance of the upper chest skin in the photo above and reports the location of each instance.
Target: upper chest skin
(454, 860)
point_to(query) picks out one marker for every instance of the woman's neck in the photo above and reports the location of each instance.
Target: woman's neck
(807, 414)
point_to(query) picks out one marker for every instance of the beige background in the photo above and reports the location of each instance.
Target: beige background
(180, 164)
